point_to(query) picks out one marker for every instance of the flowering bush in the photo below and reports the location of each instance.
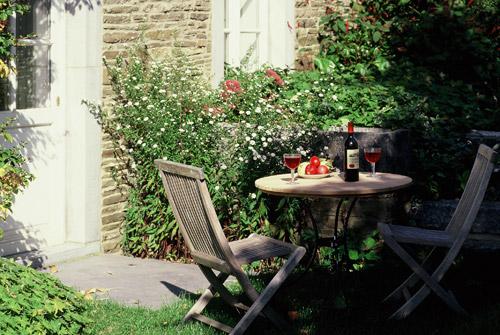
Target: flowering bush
(165, 109)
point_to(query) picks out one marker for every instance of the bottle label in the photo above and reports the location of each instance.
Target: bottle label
(352, 159)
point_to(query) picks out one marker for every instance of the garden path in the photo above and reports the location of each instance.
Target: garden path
(131, 281)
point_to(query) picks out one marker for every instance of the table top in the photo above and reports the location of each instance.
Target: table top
(333, 186)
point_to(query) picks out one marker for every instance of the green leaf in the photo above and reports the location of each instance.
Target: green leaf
(376, 36)
(353, 255)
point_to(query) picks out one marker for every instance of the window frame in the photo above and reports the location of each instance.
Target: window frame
(13, 78)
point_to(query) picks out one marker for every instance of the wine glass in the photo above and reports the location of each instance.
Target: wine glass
(291, 162)
(372, 155)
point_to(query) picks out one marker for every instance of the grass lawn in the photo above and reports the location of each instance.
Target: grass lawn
(474, 280)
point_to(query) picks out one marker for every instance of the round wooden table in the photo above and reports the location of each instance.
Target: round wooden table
(333, 187)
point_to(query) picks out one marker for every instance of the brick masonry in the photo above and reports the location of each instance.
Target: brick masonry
(163, 25)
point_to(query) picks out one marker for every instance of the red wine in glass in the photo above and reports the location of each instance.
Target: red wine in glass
(372, 155)
(292, 161)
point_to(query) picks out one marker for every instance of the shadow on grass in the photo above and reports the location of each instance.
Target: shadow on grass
(313, 306)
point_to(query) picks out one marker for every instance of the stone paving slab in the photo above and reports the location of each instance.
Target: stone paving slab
(132, 281)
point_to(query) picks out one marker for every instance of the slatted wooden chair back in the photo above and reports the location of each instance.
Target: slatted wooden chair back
(475, 189)
(188, 195)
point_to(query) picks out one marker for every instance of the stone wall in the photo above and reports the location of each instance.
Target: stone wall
(161, 25)
(307, 15)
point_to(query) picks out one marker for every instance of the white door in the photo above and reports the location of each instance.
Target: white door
(32, 96)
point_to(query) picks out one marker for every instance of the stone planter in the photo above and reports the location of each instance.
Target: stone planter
(396, 158)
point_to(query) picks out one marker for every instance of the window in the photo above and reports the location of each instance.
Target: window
(252, 33)
(29, 86)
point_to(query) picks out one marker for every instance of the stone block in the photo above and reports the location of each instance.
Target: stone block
(117, 37)
(120, 9)
(111, 218)
(116, 19)
(114, 199)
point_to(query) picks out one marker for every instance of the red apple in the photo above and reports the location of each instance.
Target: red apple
(315, 161)
(323, 169)
(310, 169)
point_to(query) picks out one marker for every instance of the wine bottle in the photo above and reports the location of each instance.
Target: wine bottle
(351, 156)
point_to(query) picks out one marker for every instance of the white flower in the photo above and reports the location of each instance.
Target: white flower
(320, 95)
(260, 128)
(144, 98)
(264, 144)
(254, 135)
(162, 91)
(247, 138)
(130, 150)
(211, 110)
(155, 146)
(240, 159)
(325, 147)
(273, 154)
(217, 187)
(162, 129)
(223, 166)
(252, 142)
(263, 139)
(174, 95)
(258, 110)
(139, 142)
(247, 113)
(334, 97)
(253, 195)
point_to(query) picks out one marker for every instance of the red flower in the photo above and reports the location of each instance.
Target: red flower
(346, 26)
(232, 86)
(272, 74)
(329, 10)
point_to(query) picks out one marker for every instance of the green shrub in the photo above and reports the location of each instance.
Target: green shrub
(13, 175)
(429, 66)
(37, 303)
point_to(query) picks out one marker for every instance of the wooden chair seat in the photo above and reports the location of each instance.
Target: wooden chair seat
(415, 235)
(258, 247)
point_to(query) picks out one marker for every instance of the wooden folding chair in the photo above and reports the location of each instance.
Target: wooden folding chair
(450, 240)
(188, 195)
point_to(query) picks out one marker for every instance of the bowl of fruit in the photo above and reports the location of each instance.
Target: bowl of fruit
(316, 168)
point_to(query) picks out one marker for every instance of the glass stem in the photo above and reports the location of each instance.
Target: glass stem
(373, 169)
(292, 171)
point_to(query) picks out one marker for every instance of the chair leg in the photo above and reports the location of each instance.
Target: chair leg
(266, 295)
(205, 298)
(430, 282)
(412, 303)
(411, 281)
